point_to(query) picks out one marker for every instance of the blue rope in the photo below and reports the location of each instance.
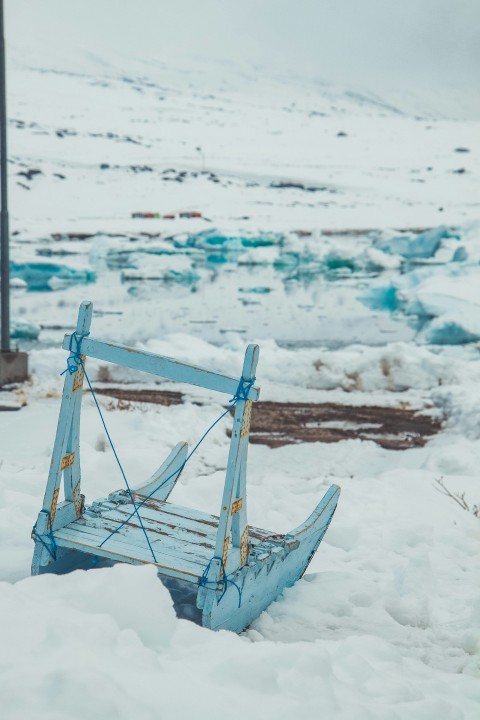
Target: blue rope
(225, 580)
(52, 550)
(72, 366)
(242, 391)
(75, 358)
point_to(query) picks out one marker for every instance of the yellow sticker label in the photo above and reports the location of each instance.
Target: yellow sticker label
(77, 498)
(247, 414)
(237, 505)
(78, 379)
(53, 506)
(226, 543)
(244, 546)
(68, 460)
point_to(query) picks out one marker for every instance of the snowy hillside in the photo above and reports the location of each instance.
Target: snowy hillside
(203, 201)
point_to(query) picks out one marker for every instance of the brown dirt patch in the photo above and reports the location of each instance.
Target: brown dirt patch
(398, 428)
(157, 397)
(276, 424)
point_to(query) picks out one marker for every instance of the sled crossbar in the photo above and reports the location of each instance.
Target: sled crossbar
(160, 365)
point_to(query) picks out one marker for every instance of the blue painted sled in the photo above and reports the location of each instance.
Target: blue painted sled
(221, 572)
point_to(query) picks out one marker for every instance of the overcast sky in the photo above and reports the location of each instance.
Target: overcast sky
(396, 44)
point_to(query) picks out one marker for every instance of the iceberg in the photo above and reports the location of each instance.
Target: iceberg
(212, 240)
(50, 276)
(375, 260)
(421, 246)
(17, 283)
(446, 294)
(335, 260)
(23, 330)
(381, 298)
(450, 331)
(460, 254)
(166, 268)
(287, 261)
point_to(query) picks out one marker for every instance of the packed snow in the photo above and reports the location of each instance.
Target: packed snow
(201, 207)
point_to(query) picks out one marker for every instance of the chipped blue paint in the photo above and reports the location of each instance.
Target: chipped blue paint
(220, 571)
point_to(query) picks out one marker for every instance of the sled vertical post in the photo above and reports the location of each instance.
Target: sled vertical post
(65, 456)
(232, 535)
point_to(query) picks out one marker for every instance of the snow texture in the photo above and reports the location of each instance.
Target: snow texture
(339, 230)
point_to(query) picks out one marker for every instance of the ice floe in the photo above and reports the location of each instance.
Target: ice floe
(43, 276)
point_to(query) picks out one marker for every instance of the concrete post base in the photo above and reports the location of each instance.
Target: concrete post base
(13, 367)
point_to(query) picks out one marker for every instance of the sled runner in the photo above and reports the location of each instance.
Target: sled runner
(221, 572)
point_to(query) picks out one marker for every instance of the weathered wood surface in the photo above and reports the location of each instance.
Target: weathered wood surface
(269, 570)
(160, 365)
(182, 539)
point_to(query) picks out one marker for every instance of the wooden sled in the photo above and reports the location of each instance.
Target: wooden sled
(221, 572)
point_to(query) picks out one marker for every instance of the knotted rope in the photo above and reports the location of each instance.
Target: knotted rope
(225, 580)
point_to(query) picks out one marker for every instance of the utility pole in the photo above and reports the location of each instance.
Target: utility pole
(13, 365)
(4, 246)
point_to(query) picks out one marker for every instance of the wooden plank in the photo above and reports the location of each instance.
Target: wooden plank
(65, 514)
(165, 534)
(204, 530)
(180, 511)
(161, 365)
(171, 565)
(119, 555)
(134, 538)
(180, 515)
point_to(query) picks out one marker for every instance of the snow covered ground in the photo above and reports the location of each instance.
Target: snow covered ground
(314, 199)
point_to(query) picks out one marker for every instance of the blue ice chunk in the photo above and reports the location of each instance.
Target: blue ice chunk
(124, 259)
(421, 246)
(381, 298)
(460, 254)
(219, 243)
(50, 276)
(217, 259)
(336, 261)
(287, 261)
(260, 290)
(415, 307)
(23, 330)
(212, 240)
(449, 332)
(181, 277)
(267, 240)
(302, 263)
(183, 241)
(119, 259)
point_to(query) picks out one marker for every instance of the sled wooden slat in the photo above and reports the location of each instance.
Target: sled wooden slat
(132, 533)
(90, 539)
